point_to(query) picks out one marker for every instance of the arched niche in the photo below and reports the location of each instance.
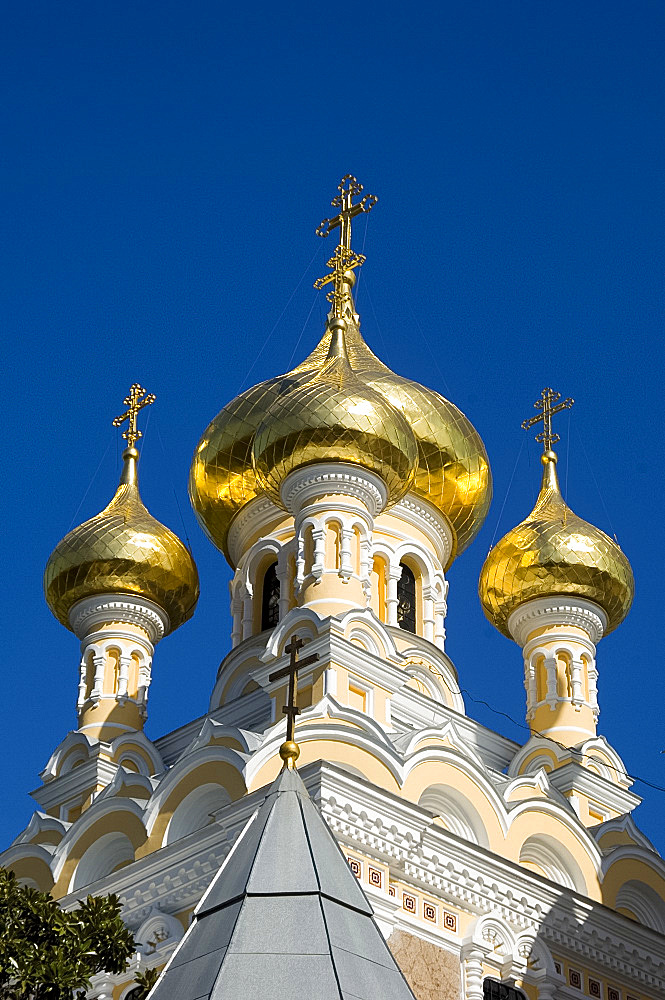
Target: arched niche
(105, 855)
(550, 858)
(196, 811)
(456, 812)
(642, 903)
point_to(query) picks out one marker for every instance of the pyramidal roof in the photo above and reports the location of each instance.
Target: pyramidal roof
(283, 917)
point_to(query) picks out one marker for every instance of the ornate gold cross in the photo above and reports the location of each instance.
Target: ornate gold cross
(547, 398)
(289, 751)
(348, 188)
(136, 400)
(342, 260)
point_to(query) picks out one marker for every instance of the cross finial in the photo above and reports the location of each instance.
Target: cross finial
(344, 258)
(290, 751)
(341, 261)
(348, 187)
(135, 400)
(546, 405)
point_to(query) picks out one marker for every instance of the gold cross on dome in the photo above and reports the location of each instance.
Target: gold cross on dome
(289, 751)
(348, 188)
(546, 404)
(342, 260)
(135, 400)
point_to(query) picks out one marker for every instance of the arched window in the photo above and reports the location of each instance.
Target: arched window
(406, 599)
(270, 598)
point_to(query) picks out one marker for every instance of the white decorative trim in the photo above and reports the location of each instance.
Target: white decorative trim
(256, 517)
(420, 514)
(306, 484)
(102, 609)
(554, 610)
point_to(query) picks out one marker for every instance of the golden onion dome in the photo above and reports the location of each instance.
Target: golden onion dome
(554, 552)
(452, 470)
(123, 550)
(331, 415)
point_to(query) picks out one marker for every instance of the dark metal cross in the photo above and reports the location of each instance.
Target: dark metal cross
(135, 400)
(348, 187)
(547, 398)
(291, 710)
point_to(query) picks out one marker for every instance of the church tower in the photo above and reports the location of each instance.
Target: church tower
(120, 581)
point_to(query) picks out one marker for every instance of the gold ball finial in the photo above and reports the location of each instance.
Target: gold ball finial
(289, 752)
(548, 456)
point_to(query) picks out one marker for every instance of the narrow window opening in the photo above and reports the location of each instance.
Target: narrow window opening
(270, 598)
(494, 990)
(406, 600)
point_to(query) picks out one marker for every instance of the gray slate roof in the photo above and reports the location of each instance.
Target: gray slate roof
(283, 918)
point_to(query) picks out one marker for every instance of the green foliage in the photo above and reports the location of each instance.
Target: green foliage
(49, 954)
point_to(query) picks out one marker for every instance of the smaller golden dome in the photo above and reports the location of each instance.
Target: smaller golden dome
(331, 415)
(123, 550)
(555, 552)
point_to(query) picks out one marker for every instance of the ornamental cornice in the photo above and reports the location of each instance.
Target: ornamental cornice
(103, 609)
(312, 481)
(544, 611)
(255, 518)
(422, 515)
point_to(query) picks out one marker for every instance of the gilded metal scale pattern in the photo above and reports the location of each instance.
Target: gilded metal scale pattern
(334, 416)
(123, 550)
(552, 552)
(451, 469)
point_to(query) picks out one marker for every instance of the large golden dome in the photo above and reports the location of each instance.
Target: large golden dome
(333, 416)
(555, 552)
(123, 550)
(451, 472)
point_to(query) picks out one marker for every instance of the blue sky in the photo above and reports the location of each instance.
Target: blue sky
(163, 171)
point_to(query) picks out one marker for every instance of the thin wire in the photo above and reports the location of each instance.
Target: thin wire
(378, 328)
(519, 453)
(360, 270)
(177, 502)
(427, 344)
(279, 319)
(602, 498)
(94, 476)
(534, 732)
(311, 310)
(568, 452)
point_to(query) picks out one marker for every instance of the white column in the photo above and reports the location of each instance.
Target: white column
(98, 686)
(365, 568)
(428, 615)
(346, 562)
(550, 667)
(123, 676)
(247, 614)
(394, 575)
(576, 668)
(319, 539)
(531, 686)
(592, 675)
(473, 974)
(82, 683)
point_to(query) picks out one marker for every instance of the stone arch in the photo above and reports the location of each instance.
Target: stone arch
(472, 792)
(552, 860)
(195, 810)
(641, 902)
(31, 863)
(567, 846)
(457, 813)
(106, 855)
(209, 765)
